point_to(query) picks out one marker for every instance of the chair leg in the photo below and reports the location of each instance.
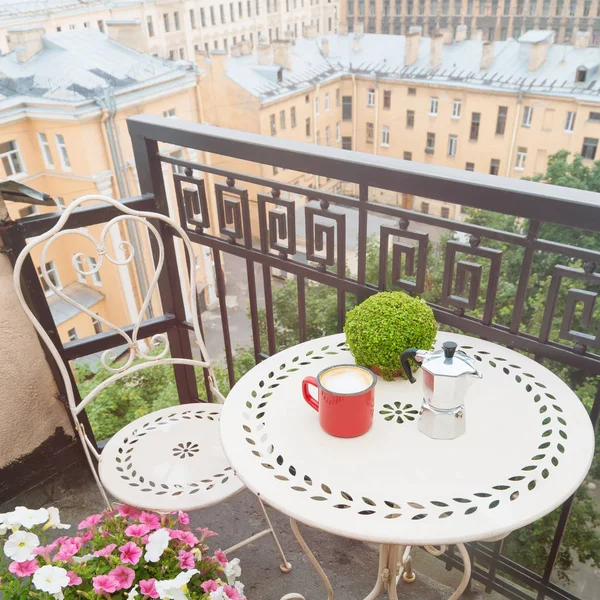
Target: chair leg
(86, 450)
(285, 566)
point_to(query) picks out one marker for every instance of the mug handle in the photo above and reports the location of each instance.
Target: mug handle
(310, 380)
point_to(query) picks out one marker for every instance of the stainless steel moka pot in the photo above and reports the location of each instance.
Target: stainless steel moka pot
(447, 375)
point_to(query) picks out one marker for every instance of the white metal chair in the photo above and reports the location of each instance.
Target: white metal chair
(170, 459)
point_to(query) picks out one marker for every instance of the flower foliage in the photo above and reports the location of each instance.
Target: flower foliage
(121, 554)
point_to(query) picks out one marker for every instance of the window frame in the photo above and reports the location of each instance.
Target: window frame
(10, 157)
(527, 116)
(452, 145)
(385, 136)
(501, 119)
(63, 153)
(586, 144)
(456, 113)
(520, 158)
(371, 97)
(434, 105)
(96, 279)
(570, 121)
(53, 275)
(46, 150)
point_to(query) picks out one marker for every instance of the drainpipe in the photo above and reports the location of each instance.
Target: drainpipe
(376, 132)
(354, 111)
(108, 103)
(513, 140)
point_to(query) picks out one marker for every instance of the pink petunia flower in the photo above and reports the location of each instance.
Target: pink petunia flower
(74, 579)
(90, 522)
(186, 560)
(184, 518)
(25, 568)
(87, 536)
(231, 593)
(105, 583)
(124, 575)
(106, 550)
(45, 551)
(210, 586)
(137, 530)
(187, 537)
(148, 588)
(150, 519)
(220, 556)
(130, 553)
(205, 532)
(128, 511)
(67, 550)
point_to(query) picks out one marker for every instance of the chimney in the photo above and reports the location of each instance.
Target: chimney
(447, 34)
(245, 47)
(356, 42)
(477, 35)
(538, 54)
(343, 28)
(359, 27)
(127, 32)
(282, 53)
(218, 63)
(325, 47)
(487, 56)
(461, 34)
(236, 51)
(411, 46)
(264, 53)
(309, 31)
(435, 50)
(25, 41)
(582, 39)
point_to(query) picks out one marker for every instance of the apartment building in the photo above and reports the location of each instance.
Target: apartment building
(64, 101)
(176, 29)
(488, 107)
(496, 19)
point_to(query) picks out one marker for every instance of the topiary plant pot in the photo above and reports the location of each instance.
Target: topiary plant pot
(383, 326)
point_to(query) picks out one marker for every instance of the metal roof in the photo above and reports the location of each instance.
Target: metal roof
(382, 56)
(78, 292)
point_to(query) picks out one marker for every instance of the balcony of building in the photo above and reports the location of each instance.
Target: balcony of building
(517, 265)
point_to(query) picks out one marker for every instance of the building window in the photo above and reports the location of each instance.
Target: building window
(52, 275)
(527, 116)
(176, 20)
(170, 114)
(172, 54)
(445, 212)
(594, 117)
(501, 120)
(212, 16)
(456, 107)
(494, 166)
(275, 170)
(370, 134)
(590, 145)
(71, 27)
(387, 99)
(79, 267)
(166, 22)
(202, 17)
(385, 135)
(222, 12)
(337, 97)
(371, 97)
(433, 106)
(27, 211)
(587, 5)
(338, 132)
(182, 53)
(248, 9)
(293, 117)
(192, 18)
(475, 121)
(97, 326)
(520, 160)
(410, 119)
(452, 144)
(327, 135)
(282, 119)
(272, 124)
(317, 113)
(307, 127)
(407, 155)
(60, 202)
(307, 99)
(150, 25)
(231, 12)
(11, 158)
(95, 275)
(62, 152)
(326, 102)
(572, 8)
(46, 153)
(581, 74)
(318, 137)
(346, 108)
(570, 121)
(430, 146)
(346, 143)
(101, 26)
(425, 208)
(72, 333)
(412, 91)
(470, 166)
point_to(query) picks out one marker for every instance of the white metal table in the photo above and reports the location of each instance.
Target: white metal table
(528, 446)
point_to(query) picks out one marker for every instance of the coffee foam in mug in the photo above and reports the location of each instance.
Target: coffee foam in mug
(346, 380)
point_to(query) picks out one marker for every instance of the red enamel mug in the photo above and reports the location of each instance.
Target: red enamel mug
(345, 401)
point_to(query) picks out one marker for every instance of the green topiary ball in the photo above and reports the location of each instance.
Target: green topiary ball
(384, 325)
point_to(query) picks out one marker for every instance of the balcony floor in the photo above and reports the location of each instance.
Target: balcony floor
(350, 565)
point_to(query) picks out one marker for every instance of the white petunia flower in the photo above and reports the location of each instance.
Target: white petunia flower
(157, 544)
(232, 570)
(239, 586)
(20, 546)
(50, 579)
(83, 559)
(54, 520)
(133, 593)
(4, 523)
(218, 594)
(175, 589)
(28, 518)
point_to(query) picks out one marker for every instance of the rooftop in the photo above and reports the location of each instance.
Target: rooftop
(382, 56)
(82, 294)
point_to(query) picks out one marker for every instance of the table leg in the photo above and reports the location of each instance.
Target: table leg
(466, 574)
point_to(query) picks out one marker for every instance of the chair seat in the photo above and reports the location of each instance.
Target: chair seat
(169, 460)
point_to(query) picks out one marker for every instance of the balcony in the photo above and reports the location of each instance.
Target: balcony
(518, 267)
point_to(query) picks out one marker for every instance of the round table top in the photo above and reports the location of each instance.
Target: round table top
(528, 446)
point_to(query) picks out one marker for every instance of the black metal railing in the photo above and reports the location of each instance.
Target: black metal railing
(257, 220)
